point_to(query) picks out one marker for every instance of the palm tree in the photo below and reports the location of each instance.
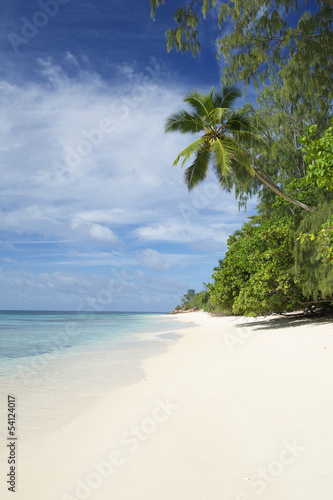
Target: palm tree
(226, 141)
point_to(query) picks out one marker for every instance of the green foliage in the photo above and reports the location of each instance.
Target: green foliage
(153, 5)
(274, 264)
(319, 156)
(315, 237)
(324, 238)
(230, 142)
(282, 115)
(188, 299)
(226, 140)
(313, 252)
(255, 275)
(184, 37)
(282, 259)
(305, 191)
(266, 35)
(200, 300)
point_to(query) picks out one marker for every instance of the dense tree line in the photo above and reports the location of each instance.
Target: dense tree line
(280, 149)
(282, 259)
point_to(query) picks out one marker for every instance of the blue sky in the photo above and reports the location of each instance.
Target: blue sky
(92, 216)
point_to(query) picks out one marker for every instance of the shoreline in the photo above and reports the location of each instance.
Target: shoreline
(53, 390)
(231, 397)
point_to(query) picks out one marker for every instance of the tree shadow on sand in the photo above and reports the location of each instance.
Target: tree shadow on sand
(280, 322)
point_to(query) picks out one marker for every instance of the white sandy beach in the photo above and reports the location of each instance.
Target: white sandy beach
(237, 409)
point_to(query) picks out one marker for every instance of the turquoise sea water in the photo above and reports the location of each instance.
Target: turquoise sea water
(26, 336)
(56, 363)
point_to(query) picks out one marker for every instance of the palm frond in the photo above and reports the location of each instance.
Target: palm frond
(241, 128)
(249, 140)
(188, 151)
(184, 122)
(202, 103)
(241, 162)
(238, 121)
(217, 115)
(229, 141)
(226, 182)
(223, 151)
(197, 172)
(227, 97)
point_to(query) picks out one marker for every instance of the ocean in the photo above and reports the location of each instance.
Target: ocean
(58, 363)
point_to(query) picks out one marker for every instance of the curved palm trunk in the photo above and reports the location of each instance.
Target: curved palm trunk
(280, 193)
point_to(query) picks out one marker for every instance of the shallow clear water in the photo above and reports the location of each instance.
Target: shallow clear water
(27, 335)
(56, 363)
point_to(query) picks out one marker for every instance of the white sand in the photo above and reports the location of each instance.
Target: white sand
(236, 409)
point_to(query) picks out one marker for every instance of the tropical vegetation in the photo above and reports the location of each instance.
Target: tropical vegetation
(279, 149)
(227, 142)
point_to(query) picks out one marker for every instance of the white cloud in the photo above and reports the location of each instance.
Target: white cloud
(85, 168)
(80, 146)
(8, 260)
(69, 57)
(118, 215)
(58, 145)
(32, 218)
(94, 231)
(102, 233)
(185, 231)
(152, 260)
(75, 291)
